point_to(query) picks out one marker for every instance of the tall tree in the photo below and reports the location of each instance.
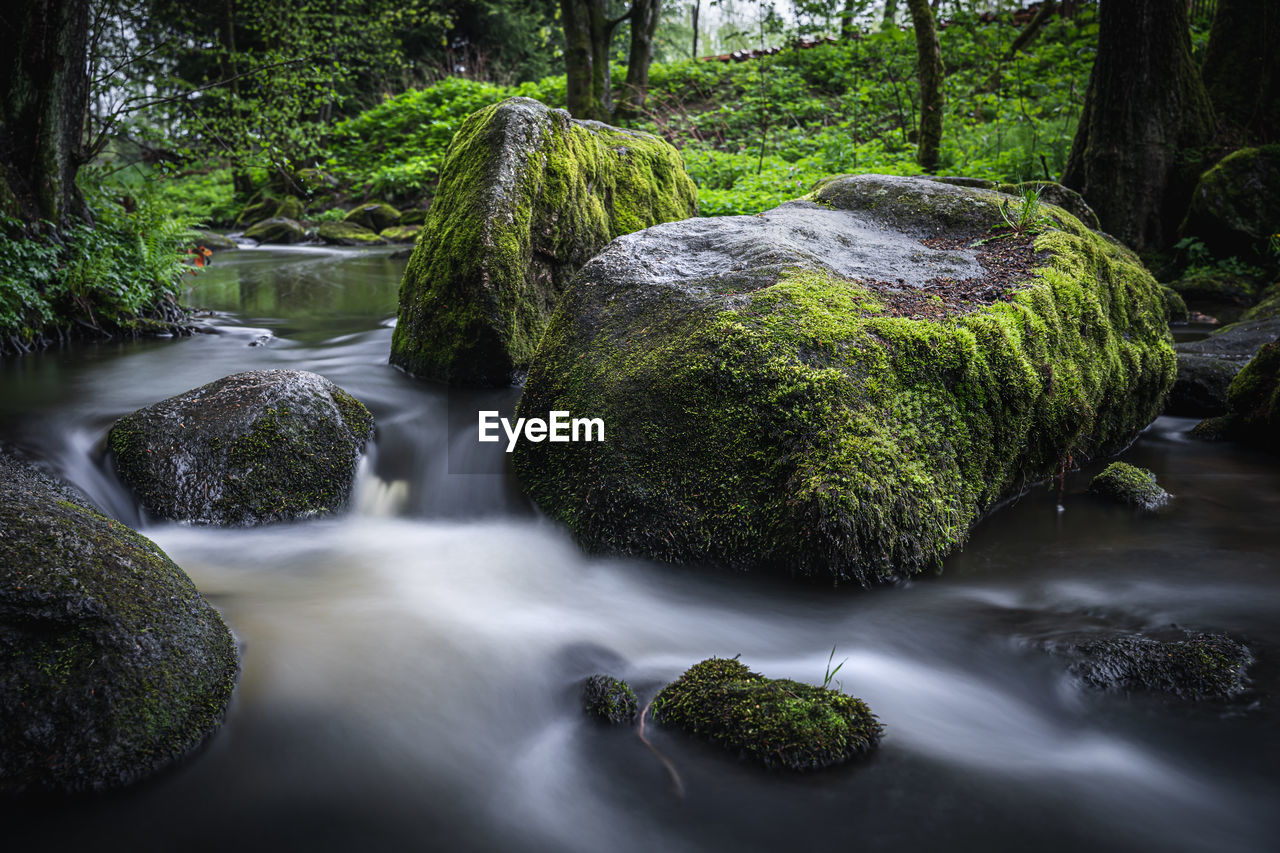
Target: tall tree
(1139, 146)
(45, 84)
(587, 33)
(931, 71)
(1242, 69)
(644, 17)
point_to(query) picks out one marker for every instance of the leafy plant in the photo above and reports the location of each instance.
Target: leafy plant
(1028, 218)
(831, 673)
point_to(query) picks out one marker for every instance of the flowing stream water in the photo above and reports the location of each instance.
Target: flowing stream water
(411, 669)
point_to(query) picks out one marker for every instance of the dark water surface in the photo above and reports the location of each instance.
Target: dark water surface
(410, 670)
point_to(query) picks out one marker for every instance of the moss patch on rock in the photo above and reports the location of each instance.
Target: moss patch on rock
(1131, 485)
(348, 234)
(277, 230)
(375, 217)
(401, 233)
(1194, 667)
(1215, 286)
(1253, 404)
(609, 699)
(249, 448)
(113, 664)
(527, 196)
(774, 721)
(1235, 207)
(766, 411)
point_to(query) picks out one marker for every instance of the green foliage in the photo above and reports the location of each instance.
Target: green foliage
(109, 276)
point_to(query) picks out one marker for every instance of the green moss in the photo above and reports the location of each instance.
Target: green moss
(1268, 306)
(401, 233)
(1202, 666)
(526, 197)
(1175, 306)
(609, 699)
(276, 230)
(794, 426)
(1253, 403)
(777, 722)
(1211, 284)
(375, 217)
(347, 234)
(1125, 483)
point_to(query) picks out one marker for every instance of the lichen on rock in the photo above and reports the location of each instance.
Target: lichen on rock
(768, 407)
(254, 447)
(774, 721)
(1131, 485)
(527, 195)
(113, 664)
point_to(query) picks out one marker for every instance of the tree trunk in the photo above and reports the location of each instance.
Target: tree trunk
(44, 79)
(929, 61)
(693, 15)
(1138, 148)
(1033, 28)
(240, 179)
(1242, 69)
(890, 14)
(586, 58)
(644, 22)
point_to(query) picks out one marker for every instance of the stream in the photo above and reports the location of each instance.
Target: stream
(411, 669)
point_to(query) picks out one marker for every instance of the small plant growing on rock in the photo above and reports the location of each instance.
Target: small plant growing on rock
(1027, 218)
(609, 699)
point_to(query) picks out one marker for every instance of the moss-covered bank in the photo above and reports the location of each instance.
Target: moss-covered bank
(253, 447)
(768, 406)
(112, 665)
(526, 197)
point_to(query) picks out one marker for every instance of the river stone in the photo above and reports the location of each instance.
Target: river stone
(213, 241)
(114, 665)
(375, 217)
(278, 230)
(348, 234)
(609, 699)
(1201, 387)
(401, 233)
(255, 447)
(1131, 485)
(1253, 404)
(1235, 206)
(774, 721)
(1188, 666)
(527, 195)
(764, 409)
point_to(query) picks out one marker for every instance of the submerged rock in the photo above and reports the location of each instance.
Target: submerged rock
(774, 721)
(1131, 485)
(348, 234)
(114, 665)
(1235, 207)
(609, 699)
(375, 217)
(841, 386)
(1191, 667)
(261, 446)
(278, 230)
(527, 195)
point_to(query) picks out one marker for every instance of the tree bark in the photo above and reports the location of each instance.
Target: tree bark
(890, 14)
(644, 22)
(1139, 146)
(44, 98)
(931, 70)
(586, 58)
(1242, 69)
(693, 15)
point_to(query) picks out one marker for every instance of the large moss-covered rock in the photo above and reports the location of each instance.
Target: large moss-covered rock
(279, 230)
(266, 445)
(1212, 285)
(527, 195)
(348, 234)
(775, 721)
(375, 216)
(1253, 403)
(1235, 207)
(1268, 307)
(113, 664)
(269, 207)
(840, 386)
(1201, 387)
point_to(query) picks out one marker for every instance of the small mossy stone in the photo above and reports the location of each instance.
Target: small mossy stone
(776, 722)
(1131, 485)
(1235, 206)
(1238, 341)
(401, 233)
(280, 231)
(527, 195)
(348, 234)
(114, 665)
(375, 217)
(767, 411)
(609, 699)
(1194, 667)
(250, 448)
(1210, 284)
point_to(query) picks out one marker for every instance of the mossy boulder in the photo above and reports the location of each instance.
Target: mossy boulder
(1175, 305)
(348, 234)
(213, 241)
(375, 216)
(254, 447)
(527, 195)
(774, 721)
(416, 216)
(401, 233)
(114, 665)
(290, 208)
(285, 231)
(1188, 666)
(792, 392)
(1214, 285)
(1268, 307)
(1051, 192)
(1235, 207)
(1201, 387)
(269, 207)
(1253, 404)
(1131, 485)
(609, 699)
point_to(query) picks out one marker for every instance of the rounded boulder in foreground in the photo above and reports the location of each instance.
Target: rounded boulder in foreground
(114, 664)
(250, 448)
